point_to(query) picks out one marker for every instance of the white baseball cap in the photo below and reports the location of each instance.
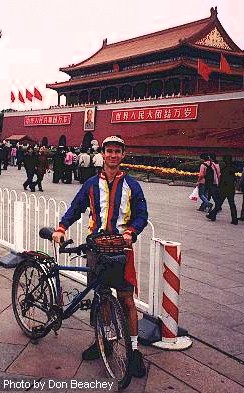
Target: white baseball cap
(113, 139)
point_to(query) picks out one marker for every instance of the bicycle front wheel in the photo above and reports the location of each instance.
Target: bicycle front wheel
(113, 339)
(32, 298)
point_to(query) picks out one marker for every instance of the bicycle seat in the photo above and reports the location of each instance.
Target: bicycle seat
(46, 233)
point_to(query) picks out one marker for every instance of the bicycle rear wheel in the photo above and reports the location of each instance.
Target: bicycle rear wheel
(113, 339)
(32, 298)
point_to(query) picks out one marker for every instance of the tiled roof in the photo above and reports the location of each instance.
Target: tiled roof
(17, 137)
(145, 44)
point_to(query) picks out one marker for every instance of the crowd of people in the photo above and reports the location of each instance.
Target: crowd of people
(68, 164)
(219, 184)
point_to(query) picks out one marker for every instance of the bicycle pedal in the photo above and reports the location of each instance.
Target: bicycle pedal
(85, 304)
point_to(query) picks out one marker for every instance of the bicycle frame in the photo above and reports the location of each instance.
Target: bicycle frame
(74, 305)
(53, 273)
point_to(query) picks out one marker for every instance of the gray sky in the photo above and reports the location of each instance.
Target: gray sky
(39, 36)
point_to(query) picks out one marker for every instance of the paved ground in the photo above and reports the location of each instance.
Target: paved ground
(211, 305)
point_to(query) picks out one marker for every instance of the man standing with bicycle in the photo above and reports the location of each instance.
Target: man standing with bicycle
(117, 205)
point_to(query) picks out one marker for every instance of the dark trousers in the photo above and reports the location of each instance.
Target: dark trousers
(19, 163)
(231, 200)
(58, 175)
(0, 167)
(38, 181)
(242, 208)
(5, 163)
(68, 174)
(29, 181)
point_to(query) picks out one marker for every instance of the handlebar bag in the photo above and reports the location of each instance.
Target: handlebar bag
(110, 269)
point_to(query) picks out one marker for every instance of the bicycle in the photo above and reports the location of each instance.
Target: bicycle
(38, 305)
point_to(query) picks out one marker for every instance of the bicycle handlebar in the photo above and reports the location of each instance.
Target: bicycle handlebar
(82, 248)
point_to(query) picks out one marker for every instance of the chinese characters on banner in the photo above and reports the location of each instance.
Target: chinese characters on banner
(161, 113)
(47, 120)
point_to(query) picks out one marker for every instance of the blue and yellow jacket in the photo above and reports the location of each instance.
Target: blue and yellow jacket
(117, 208)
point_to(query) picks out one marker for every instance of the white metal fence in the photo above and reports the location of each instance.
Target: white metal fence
(22, 216)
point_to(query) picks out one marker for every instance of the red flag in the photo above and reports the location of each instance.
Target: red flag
(12, 97)
(203, 69)
(224, 65)
(21, 98)
(28, 95)
(37, 94)
(116, 67)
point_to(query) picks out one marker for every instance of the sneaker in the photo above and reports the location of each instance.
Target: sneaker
(200, 209)
(25, 188)
(235, 222)
(210, 217)
(138, 368)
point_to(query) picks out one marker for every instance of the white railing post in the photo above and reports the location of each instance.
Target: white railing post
(18, 226)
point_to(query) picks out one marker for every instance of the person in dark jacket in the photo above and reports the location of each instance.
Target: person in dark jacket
(6, 151)
(41, 168)
(58, 165)
(30, 164)
(227, 186)
(20, 157)
(1, 157)
(241, 188)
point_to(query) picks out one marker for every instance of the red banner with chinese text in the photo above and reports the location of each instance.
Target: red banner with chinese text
(160, 113)
(47, 120)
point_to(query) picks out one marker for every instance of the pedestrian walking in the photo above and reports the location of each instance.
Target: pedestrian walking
(68, 166)
(1, 157)
(13, 155)
(30, 164)
(58, 165)
(227, 186)
(6, 150)
(205, 178)
(41, 167)
(83, 165)
(241, 188)
(20, 156)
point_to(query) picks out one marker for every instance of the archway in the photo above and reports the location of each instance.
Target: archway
(62, 141)
(86, 142)
(44, 141)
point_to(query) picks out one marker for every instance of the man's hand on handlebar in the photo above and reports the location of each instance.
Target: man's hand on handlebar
(58, 237)
(128, 239)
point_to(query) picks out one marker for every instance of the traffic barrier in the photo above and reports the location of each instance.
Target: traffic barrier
(170, 274)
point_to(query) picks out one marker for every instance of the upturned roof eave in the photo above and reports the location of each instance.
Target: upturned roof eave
(216, 50)
(74, 67)
(214, 22)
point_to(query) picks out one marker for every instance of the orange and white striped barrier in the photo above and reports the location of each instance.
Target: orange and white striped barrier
(171, 261)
